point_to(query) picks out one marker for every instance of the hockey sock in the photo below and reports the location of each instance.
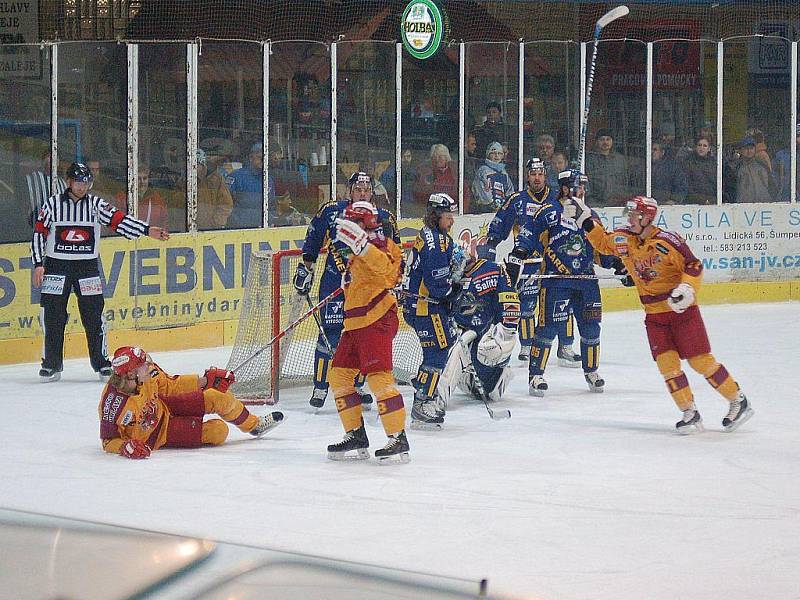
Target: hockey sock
(390, 402)
(590, 354)
(229, 408)
(716, 375)
(669, 364)
(540, 352)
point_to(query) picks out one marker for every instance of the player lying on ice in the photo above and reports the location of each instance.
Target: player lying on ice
(370, 324)
(487, 313)
(667, 276)
(142, 408)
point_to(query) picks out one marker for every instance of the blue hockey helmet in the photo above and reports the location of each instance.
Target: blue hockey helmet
(572, 178)
(536, 165)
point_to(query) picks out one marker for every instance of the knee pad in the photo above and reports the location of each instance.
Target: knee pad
(215, 432)
(669, 364)
(705, 364)
(382, 385)
(342, 380)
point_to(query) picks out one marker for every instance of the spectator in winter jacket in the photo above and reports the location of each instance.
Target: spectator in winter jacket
(783, 170)
(247, 189)
(492, 184)
(440, 175)
(214, 202)
(754, 181)
(668, 178)
(607, 171)
(701, 174)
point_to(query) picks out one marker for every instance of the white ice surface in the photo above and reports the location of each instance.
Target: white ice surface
(579, 495)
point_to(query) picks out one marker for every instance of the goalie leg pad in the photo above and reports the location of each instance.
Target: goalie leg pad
(502, 382)
(454, 373)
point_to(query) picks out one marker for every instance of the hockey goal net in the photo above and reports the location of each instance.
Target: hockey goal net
(269, 305)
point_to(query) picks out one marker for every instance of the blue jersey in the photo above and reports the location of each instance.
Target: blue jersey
(511, 214)
(562, 245)
(322, 234)
(429, 270)
(487, 298)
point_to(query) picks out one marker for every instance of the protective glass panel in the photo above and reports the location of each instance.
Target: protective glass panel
(616, 134)
(756, 117)
(551, 103)
(230, 129)
(429, 132)
(92, 115)
(162, 135)
(366, 128)
(300, 130)
(684, 153)
(492, 73)
(24, 139)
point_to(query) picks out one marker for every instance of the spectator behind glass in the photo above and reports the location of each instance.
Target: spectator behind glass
(38, 184)
(668, 179)
(286, 215)
(607, 171)
(559, 163)
(214, 202)
(388, 178)
(701, 174)
(545, 147)
(761, 146)
(439, 175)
(783, 170)
(492, 184)
(151, 206)
(493, 129)
(247, 188)
(667, 139)
(103, 185)
(754, 182)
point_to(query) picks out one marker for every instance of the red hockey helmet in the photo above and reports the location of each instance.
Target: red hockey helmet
(362, 212)
(645, 206)
(127, 359)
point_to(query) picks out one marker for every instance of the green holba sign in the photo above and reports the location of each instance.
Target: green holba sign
(422, 28)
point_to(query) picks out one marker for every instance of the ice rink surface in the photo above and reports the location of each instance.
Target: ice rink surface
(578, 496)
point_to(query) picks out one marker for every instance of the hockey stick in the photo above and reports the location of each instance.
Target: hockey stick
(325, 340)
(497, 415)
(559, 276)
(291, 326)
(403, 292)
(612, 15)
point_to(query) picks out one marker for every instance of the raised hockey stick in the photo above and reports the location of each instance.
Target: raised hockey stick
(497, 415)
(291, 326)
(612, 15)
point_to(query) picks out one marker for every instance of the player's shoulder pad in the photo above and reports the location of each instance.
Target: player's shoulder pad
(671, 238)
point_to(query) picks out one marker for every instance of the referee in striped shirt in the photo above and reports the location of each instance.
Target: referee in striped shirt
(65, 257)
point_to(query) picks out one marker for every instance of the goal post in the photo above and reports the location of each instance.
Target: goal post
(269, 304)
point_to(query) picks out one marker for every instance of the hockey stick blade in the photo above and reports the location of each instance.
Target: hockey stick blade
(612, 15)
(499, 415)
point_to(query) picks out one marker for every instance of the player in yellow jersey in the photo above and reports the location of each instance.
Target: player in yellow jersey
(370, 324)
(142, 408)
(667, 276)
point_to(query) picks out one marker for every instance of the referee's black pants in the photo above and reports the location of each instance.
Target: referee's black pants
(90, 306)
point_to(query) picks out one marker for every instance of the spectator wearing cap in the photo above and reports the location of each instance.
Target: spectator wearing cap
(214, 201)
(607, 171)
(783, 169)
(247, 189)
(754, 181)
(492, 184)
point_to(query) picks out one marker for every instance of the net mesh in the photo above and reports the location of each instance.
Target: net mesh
(269, 305)
(326, 20)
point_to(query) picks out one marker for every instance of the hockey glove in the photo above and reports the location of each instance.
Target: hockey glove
(514, 264)
(581, 211)
(352, 235)
(496, 345)
(219, 379)
(622, 271)
(135, 449)
(681, 298)
(487, 252)
(303, 278)
(451, 297)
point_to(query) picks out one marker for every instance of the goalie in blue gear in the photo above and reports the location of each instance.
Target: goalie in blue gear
(554, 234)
(508, 220)
(486, 311)
(321, 235)
(434, 268)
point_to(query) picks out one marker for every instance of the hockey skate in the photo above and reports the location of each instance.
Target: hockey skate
(594, 381)
(524, 353)
(568, 358)
(537, 386)
(104, 373)
(739, 413)
(318, 397)
(48, 375)
(691, 422)
(267, 423)
(427, 415)
(395, 450)
(366, 398)
(354, 441)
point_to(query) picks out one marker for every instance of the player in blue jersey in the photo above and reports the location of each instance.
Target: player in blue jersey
(322, 234)
(568, 259)
(434, 269)
(508, 220)
(487, 313)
